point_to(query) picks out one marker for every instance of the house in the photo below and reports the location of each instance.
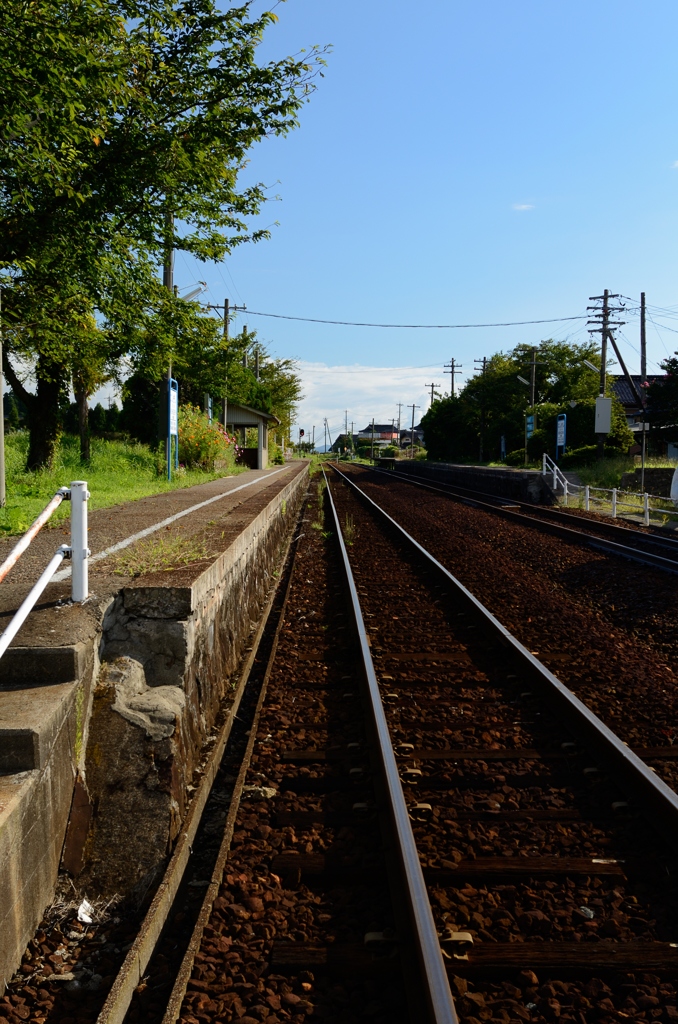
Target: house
(406, 436)
(380, 431)
(634, 412)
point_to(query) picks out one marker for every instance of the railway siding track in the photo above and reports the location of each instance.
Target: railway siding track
(644, 545)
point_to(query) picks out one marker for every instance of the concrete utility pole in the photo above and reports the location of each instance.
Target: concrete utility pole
(432, 387)
(400, 405)
(413, 407)
(372, 455)
(643, 382)
(451, 368)
(483, 370)
(600, 323)
(313, 441)
(345, 422)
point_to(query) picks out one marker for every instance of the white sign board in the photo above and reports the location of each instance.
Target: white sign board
(674, 488)
(173, 411)
(603, 415)
(560, 432)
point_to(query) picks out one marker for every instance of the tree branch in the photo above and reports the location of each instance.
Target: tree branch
(17, 387)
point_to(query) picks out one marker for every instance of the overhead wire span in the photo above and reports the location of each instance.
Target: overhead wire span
(437, 327)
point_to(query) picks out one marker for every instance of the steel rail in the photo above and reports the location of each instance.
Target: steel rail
(655, 798)
(656, 537)
(139, 955)
(33, 530)
(576, 536)
(437, 988)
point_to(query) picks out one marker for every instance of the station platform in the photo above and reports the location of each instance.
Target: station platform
(106, 707)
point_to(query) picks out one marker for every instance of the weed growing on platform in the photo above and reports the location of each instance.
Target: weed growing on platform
(349, 529)
(159, 555)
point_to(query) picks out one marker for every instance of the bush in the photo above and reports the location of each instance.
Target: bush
(389, 452)
(201, 443)
(516, 458)
(586, 456)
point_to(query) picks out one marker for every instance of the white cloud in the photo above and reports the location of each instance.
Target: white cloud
(522, 206)
(674, 165)
(366, 392)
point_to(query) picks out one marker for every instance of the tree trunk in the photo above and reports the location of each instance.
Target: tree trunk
(83, 419)
(44, 416)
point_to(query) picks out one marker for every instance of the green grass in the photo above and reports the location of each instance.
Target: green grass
(119, 471)
(605, 472)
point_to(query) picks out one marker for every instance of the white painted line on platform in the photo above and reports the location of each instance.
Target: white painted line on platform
(65, 573)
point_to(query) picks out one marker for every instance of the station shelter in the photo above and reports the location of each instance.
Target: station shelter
(239, 418)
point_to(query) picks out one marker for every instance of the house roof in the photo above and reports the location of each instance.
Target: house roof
(380, 428)
(622, 390)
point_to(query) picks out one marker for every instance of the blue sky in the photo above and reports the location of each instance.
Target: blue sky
(460, 163)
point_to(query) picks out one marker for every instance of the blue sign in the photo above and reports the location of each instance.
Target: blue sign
(561, 432)
(529, 426)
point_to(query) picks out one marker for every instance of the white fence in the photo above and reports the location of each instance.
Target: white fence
(78, 552)
(609, 501)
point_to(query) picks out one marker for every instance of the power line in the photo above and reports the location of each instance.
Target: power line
(437, 327)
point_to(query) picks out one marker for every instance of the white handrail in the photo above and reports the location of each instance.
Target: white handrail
(30, 600)
(78, 551)
(616, 496)
(63, 494)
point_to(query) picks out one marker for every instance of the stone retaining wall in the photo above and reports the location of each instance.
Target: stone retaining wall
(108, 792)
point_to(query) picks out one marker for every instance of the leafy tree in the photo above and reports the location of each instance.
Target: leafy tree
(662, 399)
(469, 426)
(125, 127)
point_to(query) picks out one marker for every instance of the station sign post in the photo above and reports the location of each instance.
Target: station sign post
(172, 425)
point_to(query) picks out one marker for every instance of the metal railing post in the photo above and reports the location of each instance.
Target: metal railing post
(646, 508)
(614, 502)
(565, 489)
(79, 548)
(555, 477)
(587, 497)
(543, 464)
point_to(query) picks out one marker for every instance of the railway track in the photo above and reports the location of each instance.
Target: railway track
(421, 813)
(647, 545)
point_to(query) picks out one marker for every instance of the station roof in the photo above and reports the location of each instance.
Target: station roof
(244, 416)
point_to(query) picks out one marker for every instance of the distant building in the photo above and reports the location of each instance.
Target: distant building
(382, 432)
(406, 436)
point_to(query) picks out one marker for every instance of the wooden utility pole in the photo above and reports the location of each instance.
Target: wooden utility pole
(432, 387)
(453, 368)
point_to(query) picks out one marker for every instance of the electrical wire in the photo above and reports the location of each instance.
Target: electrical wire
(447, 327)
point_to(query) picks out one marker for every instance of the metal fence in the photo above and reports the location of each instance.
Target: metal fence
(612, 501)
(77, 552)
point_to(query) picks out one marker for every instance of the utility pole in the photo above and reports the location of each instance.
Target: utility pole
(643, 388)
(451, 368)
(432, 387)
(325, 436)
(345, 422)
(413, 407)
(400, 405)
(483, 370)
(372, 455)
(600, 323)
(533, 377)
